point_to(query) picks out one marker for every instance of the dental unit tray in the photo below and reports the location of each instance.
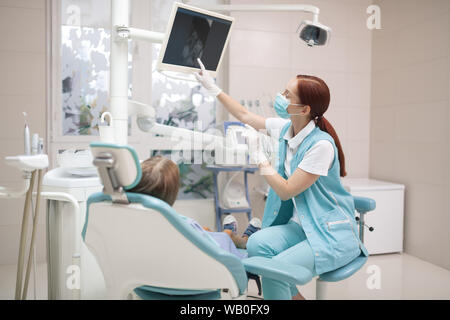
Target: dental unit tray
(28, 163)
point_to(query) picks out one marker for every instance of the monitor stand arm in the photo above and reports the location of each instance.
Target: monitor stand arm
(124, 33)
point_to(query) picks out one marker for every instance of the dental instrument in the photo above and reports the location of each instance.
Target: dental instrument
(34, 144)
(41, 146)
(26, 136)
(26, 164)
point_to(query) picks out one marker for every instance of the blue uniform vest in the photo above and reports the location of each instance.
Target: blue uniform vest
(326, 210)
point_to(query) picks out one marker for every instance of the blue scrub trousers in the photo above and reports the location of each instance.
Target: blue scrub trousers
(286, 243)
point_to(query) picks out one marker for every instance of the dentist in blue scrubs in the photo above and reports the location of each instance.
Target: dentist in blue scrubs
(309, 218)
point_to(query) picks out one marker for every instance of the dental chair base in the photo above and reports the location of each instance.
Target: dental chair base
(126, 240)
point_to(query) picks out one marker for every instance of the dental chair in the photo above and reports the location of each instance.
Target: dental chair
(146, 250)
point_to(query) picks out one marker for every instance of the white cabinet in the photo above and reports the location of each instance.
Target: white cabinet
(386, 219)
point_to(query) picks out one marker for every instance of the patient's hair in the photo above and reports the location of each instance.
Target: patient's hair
(160, 179)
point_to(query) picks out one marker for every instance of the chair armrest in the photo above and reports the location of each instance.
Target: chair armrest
(364, 205)
(277, 270)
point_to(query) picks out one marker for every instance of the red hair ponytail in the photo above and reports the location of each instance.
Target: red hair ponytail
(326, 126)
(314, 92)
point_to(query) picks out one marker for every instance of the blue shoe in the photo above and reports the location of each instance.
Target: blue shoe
(230, 223)
(254, 225)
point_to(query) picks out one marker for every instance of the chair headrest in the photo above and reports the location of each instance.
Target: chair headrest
(118, 165)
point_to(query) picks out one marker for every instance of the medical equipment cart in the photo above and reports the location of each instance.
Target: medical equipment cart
(219, 209)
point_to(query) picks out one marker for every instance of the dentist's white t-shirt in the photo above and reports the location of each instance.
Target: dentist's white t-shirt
(317, 160)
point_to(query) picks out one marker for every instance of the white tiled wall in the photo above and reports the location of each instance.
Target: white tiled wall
(265, 53)
(410, 116)
(22, 88)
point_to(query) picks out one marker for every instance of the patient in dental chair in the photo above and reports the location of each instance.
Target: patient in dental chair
(161, 179)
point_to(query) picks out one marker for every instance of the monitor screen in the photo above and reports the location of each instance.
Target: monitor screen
(195, 35)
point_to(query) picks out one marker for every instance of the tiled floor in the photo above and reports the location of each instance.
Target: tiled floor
(392, 276)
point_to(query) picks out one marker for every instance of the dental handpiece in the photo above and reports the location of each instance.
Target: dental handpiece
(35, 144)
(41, 146)
(26, 133)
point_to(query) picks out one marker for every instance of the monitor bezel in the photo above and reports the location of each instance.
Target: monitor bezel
(175, 68)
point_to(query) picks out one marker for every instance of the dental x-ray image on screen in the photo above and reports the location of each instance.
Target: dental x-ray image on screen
(195, 35)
